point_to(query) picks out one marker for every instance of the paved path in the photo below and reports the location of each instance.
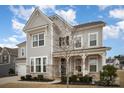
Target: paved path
(12, 79)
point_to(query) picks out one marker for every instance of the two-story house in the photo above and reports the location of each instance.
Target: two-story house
(7, 60)
(43, 53)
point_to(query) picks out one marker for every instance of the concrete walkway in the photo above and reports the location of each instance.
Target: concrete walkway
(12, 79)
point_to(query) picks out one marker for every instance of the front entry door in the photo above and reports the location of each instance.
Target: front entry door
(63, 67)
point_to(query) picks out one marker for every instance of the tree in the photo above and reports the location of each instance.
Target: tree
(65, 44)
(108, 74)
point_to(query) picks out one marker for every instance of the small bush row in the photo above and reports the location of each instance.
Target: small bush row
(30, 78)
(83, 79)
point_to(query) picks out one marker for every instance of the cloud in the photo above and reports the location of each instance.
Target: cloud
(22, 12)
(117, 13)
(69, 15)
(114, 31)
(110, 32)
(103, 7)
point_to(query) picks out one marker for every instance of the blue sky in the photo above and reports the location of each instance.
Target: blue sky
(13, 18)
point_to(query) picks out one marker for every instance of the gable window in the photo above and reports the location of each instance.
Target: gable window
(67, 40)
(77, 42)
(38, 40)
(93, 39)
(38, 64)
(32, 65)
(44, 64)
(22, 51)
(93, 64)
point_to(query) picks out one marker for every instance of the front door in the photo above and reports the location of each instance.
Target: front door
(63, 67)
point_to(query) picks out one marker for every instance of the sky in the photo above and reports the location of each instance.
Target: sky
(13, 19)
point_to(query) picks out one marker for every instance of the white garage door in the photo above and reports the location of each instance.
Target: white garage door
(21, 69)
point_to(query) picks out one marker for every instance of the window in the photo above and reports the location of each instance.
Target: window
(93, 64)
(5, 59)
(32, 65)
(93, 39)
(78, 65)
(44, 64)
(22, 51)
(38, 40)
(41, 39)
(63, 41)
(77, 42)
(38, 64)
(35, 40)
(67, 40)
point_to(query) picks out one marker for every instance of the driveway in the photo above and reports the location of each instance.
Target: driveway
(12, 79)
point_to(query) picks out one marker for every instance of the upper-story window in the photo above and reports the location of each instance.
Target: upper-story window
(77, 41)
(63, 41)
(22, 52)
(93, 39)
(5, 59)
(38, 40)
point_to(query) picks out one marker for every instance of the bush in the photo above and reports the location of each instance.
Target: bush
(73, 78)
(22, 77)
(63, 79)
(40, 77)
(35, 78)
(28, 77)
(11, 71)
(85, 79)
(108, 75)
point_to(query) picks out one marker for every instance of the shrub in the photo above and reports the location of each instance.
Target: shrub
(40, 77)
(73, 78)
(28, 77)
(11, 71)
(63, 79)
(85, 79)
(108, 74)
(22, 77)
(35, 78)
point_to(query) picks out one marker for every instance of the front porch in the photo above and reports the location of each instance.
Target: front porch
(81, 64)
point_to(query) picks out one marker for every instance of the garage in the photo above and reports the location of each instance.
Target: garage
(21, 69)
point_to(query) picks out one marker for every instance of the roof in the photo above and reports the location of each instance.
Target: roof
(90, 24)
(12, 51)
(23, 43)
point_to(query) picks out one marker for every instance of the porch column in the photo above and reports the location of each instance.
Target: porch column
(103, 55)
(83, 64)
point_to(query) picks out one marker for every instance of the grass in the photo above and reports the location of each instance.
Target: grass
(34, 85)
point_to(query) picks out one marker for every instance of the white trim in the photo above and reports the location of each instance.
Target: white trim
(91, 33)
(97, 63)
(38, 39)
(41, 63)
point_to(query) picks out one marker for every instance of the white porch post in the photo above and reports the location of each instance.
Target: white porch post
(103, 55)
(83, 64)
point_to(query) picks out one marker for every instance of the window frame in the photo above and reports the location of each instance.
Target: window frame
(22, 48)
(97, 64)
(38, 40)
(76, 36)
(34, 58)
(89, 35)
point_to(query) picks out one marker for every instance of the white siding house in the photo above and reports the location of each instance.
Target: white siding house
(45, 35)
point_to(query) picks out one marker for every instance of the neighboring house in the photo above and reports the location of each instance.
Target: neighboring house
(7, 60)
(21, 60)
(42, 52)
(115, 62)
(121, 60)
